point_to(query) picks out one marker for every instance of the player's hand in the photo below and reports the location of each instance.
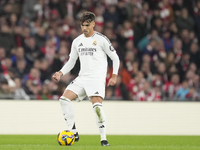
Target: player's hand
(113, 80)
(56, 76)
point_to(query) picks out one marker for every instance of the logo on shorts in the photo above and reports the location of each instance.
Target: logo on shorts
(94, 43)
(96, 93)
(80, 44)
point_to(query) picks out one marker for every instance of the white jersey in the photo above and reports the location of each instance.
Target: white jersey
(92, 54)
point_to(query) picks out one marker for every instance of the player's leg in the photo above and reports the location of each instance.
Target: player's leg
(100, 118)
(68, 113)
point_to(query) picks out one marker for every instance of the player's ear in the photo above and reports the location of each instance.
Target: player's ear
(93, 24)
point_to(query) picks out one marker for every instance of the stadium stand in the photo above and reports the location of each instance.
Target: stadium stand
(157, 42)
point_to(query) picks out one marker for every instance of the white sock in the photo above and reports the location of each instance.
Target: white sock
(68, 113)
(100, 119)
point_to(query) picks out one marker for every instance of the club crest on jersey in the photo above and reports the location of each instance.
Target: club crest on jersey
(94, 43)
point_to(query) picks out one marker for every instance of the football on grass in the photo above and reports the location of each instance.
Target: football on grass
(66, 138)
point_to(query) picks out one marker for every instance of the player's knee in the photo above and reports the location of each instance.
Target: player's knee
(96, 99)
(70, 95)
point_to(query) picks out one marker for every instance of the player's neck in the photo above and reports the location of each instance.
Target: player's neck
(91, 33)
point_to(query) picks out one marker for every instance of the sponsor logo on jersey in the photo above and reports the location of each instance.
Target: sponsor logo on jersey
(87, 51)
(94, 43)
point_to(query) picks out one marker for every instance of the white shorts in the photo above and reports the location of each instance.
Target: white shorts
(87, 87)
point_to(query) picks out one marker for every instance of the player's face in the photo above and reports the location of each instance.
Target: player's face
(87, 28)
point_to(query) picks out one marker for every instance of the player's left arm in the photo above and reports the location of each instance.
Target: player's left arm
(111, 52)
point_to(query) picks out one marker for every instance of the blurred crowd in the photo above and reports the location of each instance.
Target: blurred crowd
(157, 42)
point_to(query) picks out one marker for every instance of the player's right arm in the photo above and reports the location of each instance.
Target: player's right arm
(69, 65)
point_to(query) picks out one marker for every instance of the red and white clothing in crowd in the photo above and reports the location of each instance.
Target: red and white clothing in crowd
(129, 33)
(159, 79)
(68, 25)
(158, 96)
(151, 95)
(129, 66)
(142, 96)
(178, 54)
(156, 82)
(42, 10)
(10, 81)
(3, 65)
(185, 65)
(49, 51)
(128, 30)
(166, 12)
(117, 92)
(147, 14)
(146, 11)
(134, 88)
(66, 28)
(99, 21)
(192, 96)
(170, 89)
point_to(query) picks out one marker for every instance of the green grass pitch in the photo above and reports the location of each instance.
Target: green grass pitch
(91, 142)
